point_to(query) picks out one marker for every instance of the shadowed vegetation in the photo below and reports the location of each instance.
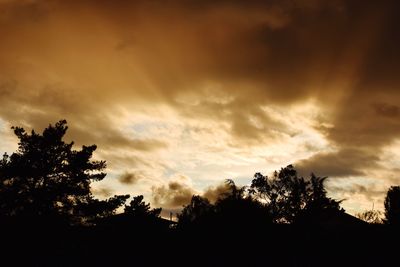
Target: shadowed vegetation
(49, 217)
(47, 177)
(392, 206)
(289, 197)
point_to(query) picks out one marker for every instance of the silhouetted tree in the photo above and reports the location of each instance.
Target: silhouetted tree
(137, 207)
(95, 208)
(238, 209)
(392, 206)
(234, 191)
(197, 211)
(232, 211)
(288, 196)
(47, 177)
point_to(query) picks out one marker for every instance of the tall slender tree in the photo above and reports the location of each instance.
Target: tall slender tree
(392, 206)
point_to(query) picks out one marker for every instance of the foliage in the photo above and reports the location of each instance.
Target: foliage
(232, 208)
(137, 207)
(47, 177)
(288, 196)
(238, 208)
(198, 210)
(392, 206)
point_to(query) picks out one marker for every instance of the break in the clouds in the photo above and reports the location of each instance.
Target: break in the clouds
(209, 89)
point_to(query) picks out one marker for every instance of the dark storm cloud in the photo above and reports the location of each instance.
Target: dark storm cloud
(387, 110)
(345, 162)
(37, 108)
(129, 178)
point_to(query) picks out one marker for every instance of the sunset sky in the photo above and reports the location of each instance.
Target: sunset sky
(181, 95)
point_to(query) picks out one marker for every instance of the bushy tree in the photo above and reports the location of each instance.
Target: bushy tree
(288, 196)
(233, 209)
(47, 177)
(197, 211)
(239, 209)
(392, 206)
(138, 208)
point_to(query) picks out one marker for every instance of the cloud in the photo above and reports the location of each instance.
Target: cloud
(257, 56)
(178, 193)
(359, 194)
(343, 163)
(103, 192)
(387, 110)
(212, 193)
(129, 178)
(174, 194)
(371, 192)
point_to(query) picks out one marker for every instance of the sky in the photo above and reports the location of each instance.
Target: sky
(181, 95)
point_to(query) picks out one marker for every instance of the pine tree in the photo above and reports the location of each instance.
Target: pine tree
(47, 177)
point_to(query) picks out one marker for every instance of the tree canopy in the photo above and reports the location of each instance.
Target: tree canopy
(47, 177)
(233, 209)
(392, 206)
(289, 196)
(137, 207)
(197, 211)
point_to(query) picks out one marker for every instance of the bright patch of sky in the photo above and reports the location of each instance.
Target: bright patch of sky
(202, 150)
(8, 142)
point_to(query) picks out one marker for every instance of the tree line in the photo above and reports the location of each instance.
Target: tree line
(49, 216)
(46, 177)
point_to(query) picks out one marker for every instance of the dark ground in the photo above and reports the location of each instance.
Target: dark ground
(25, 243)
